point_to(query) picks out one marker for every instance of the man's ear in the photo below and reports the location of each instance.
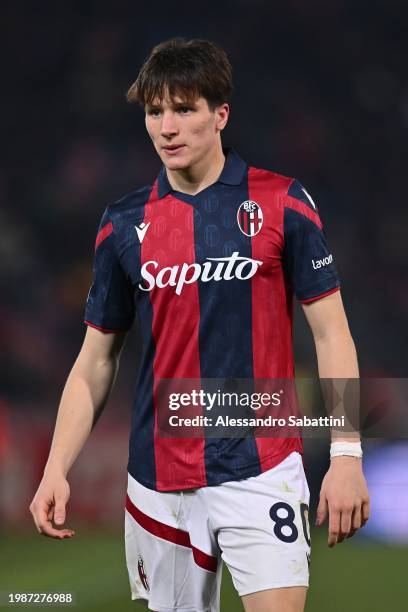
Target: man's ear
(222, 116)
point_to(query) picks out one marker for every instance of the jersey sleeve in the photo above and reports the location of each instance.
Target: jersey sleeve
(110, 302)
(307, 257)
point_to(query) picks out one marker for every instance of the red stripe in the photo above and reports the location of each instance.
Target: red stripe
(304, 210)
(245, 217)
(103, 329)
(319, 297)
(180, 462)
(205, 561)
(103, 234)
(272, 302)
(171, 534)
(161, 530)
(256, 221)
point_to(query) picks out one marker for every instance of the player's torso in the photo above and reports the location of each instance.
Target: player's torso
(208, 271)
(213, 301)
(211, 279)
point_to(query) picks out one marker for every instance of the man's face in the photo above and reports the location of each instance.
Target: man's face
(184, 133)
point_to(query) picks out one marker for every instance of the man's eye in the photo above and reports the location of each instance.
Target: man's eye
(154, 112)
(184, 109)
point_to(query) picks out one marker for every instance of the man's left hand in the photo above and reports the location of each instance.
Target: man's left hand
(344, 498)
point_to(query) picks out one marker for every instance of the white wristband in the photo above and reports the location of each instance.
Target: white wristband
(350, 449)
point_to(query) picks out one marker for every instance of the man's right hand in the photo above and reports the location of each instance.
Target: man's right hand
(48, 506)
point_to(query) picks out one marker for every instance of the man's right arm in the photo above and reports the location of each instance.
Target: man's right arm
(84, 397)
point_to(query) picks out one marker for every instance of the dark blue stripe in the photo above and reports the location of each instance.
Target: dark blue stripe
(306, 243)
(141, 464)
(225, 332)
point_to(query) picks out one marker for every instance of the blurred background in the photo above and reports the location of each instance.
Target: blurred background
(321, 93)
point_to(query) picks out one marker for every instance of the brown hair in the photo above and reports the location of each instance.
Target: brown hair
(186, 68)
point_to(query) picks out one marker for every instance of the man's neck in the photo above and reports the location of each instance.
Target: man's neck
(201, 175)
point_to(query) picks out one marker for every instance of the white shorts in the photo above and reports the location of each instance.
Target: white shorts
(176, 541)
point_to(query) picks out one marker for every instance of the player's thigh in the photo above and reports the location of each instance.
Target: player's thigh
(262, 528)
(290, 599)
(170, 568)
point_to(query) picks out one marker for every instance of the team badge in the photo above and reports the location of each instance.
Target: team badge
(142, 573)
(250, 218)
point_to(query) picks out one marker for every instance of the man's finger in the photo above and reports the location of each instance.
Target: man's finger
(48, 530)
(334, 526)
(40, 513)
(345, 524)
(322, 510)
(365, 512)
(59, 512)
(356, 521)
(44, 525)
(356, 518)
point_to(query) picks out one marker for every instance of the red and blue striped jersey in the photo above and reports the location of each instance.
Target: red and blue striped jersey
(211, 279)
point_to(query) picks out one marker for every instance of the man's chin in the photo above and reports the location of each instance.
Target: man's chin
(176, 164)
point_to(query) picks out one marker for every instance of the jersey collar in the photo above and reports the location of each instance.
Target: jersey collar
(232, 173)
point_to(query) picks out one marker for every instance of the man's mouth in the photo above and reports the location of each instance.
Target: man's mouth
(172, 149)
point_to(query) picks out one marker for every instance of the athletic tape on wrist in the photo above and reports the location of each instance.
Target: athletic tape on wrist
(349, 449)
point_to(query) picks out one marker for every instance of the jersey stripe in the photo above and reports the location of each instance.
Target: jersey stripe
(103, 329)
(303, 209)
(225, 329)
(319, 297)
(103, 234)
(142, 462)
(272, 307)
(175, 327)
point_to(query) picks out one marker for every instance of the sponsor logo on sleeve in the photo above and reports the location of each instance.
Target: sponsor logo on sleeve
(320, 263)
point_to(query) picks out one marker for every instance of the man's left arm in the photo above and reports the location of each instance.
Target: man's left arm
(344, 494)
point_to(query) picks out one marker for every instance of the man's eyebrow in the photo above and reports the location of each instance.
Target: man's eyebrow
(175, 103)
(185, 103)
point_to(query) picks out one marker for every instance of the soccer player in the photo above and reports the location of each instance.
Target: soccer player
(208, 258)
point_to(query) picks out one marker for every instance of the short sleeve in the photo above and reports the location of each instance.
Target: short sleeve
(307, 258)
(110, 302)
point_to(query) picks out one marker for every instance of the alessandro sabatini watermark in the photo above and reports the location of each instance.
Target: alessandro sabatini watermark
(310, 407)
(269, 421)
(241, 407)
(210, 401)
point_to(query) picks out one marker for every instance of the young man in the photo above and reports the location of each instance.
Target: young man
(208, 257)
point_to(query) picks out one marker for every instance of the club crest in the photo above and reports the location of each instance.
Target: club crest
(142, 573)
(250, 218)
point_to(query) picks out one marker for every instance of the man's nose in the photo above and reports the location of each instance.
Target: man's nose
(169, 124)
